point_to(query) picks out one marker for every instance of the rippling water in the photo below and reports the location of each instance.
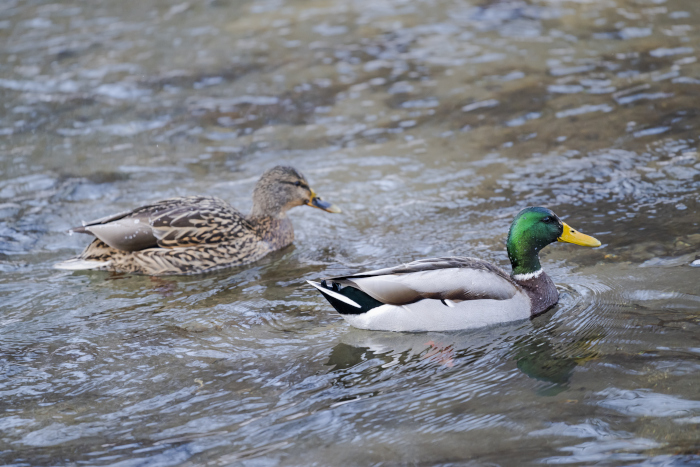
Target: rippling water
(431, 123)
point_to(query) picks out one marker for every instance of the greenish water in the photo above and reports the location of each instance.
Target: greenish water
(431, 123)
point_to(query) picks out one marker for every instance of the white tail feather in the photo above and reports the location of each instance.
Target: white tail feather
(77, 264)
(334, 294)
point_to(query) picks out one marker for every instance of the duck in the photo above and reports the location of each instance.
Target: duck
(457, 293)
(197, 234)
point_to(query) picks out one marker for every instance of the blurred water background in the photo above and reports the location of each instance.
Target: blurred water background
(431, 123)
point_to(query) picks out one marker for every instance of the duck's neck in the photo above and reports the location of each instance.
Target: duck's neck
(523, 253)
(527, 272)
(263, 207)
(540, 289)
(277, 232)
(269, 220)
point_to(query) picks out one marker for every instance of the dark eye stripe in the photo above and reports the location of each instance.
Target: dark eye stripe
(303, 185)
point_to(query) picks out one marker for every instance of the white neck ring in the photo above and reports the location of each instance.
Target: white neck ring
(528, 276)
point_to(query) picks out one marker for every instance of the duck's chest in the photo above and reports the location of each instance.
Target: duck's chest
(542, 292)
(276, 233)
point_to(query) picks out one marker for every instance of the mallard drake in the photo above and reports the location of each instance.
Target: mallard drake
(451, 293)
(196, 234)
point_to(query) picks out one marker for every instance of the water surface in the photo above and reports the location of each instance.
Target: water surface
(431, 123)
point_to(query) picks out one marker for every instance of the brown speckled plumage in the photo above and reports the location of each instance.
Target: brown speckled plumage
(196, 234)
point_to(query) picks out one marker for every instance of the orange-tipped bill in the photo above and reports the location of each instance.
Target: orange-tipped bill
(317, 202)
(572, 236)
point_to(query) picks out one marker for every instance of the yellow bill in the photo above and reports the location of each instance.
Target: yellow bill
(572, 236)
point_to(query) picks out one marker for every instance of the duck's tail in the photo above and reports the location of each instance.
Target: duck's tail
(79, 264)
(348, 300)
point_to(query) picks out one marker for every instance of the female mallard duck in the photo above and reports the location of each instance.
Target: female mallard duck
(443, 294)
(197, 234)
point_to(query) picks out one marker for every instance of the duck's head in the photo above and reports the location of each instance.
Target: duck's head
(282, 188)
(533, 229)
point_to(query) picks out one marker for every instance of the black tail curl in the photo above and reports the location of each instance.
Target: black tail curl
(356, 295)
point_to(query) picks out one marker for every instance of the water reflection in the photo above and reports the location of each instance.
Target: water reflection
(534, 347)
(538, 358)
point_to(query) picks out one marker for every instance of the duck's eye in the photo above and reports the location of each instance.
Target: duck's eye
(297, 183)
(547, 220)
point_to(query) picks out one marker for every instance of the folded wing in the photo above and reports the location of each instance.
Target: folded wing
(176, 222)
(453, 278)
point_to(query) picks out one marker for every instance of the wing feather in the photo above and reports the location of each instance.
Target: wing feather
(171, 223)
(454, 278)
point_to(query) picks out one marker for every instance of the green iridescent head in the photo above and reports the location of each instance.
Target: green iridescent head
(533, 229)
